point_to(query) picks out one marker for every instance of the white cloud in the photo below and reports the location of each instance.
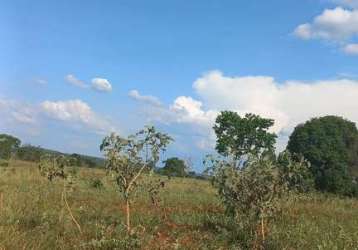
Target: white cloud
(289, 103)
(152, 100)
(75, 81)
(101, 84)
(351, 49)
(17, 112)
(188, 110)
(41, 81)
(337, 24)
(348, 3)
(76, 111)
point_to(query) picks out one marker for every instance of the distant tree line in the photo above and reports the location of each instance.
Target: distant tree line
(10, 147)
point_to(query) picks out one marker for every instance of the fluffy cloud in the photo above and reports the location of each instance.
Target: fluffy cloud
(152, 100)
(289, 103)
(348, 3)
(17, 112)
(188, 110)
(76, 112)
(338, 25)
(333, 24)
(351, 49)
(75, 81)
(101, 84)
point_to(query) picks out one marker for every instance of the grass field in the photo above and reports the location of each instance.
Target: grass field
(32, 216)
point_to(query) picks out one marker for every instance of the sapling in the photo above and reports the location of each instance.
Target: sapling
(250, 194)
(53, 167)
(128, 158)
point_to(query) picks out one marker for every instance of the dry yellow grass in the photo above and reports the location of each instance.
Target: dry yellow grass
(32, 216)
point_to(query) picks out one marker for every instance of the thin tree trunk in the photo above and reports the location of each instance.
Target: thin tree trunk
(71, 214)
(128, 216)
(263, 229)
(1, 200)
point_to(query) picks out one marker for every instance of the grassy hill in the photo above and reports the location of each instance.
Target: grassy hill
(33, 216)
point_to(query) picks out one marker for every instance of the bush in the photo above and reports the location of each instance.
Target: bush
(330, 144)
(95, 183)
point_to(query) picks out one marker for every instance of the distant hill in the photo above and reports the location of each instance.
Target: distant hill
(29, 152)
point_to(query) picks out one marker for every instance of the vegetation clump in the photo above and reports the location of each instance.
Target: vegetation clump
(128, 158)
(330, 144)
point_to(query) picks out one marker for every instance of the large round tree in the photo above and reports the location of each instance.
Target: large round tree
(330, 143)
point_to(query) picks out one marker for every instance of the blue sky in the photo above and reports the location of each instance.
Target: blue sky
(71, 71)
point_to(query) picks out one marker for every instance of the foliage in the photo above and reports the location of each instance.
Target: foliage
(238, 136)
(95, 183)
(174, 167)
(330, 144)
(295, 172)
(250, 194)
(30, 153)
(8, 145)
(128, 158)
(52, 166)
(247, 179)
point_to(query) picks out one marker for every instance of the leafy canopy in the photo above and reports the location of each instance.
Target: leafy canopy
(174, 167)
(8, 145)
(127, 158)
(330, 144)
(238, 136)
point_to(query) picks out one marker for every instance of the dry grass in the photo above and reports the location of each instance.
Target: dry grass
(190, 216)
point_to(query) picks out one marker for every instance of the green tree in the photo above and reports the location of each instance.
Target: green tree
(249, 194)
(295, 172)
(330, 144)
(28, 152)
(245, 176)
(174, 167)
(238, 136)
(128, 158)
(8, 145)
(58, 167)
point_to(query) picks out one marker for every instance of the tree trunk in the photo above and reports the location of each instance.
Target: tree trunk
(1, 200)
(128, 216)
(263, 229)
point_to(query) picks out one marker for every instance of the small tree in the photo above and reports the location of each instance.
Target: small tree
(8, 145)
(174, 167)
(53, 167)
(247, 180)
(128, 158)
(250, 194)
(239, 136)
(295, 172)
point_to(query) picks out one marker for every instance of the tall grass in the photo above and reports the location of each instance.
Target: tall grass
(189, 217)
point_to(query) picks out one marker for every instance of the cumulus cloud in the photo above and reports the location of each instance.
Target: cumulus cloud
(75, 81)
(77, 112)
(288, 103)
(188, 110)
(152, 100)
(101, 84)
(348, 3)
(338, 25)
(351, 49)
(333, 24)
(17, 112)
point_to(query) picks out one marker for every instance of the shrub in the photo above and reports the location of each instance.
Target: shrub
(128, 158)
